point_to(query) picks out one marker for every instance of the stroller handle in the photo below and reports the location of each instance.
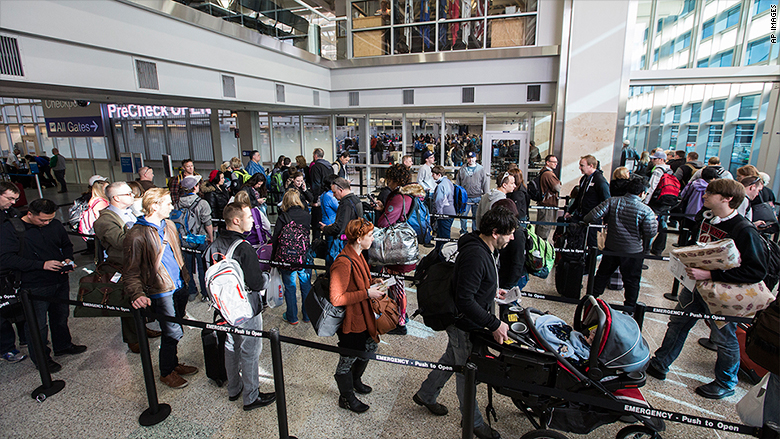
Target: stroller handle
(593, 370)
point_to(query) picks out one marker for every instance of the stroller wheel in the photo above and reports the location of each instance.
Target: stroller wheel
(637, 432)
(543, 434)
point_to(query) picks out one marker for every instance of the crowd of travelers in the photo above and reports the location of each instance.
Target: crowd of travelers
(161, 241)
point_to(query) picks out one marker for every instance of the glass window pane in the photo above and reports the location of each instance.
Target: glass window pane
(510, 32)
(47, 143)
(505, 7)
(98, 148)
(316, 131)
(743, 143)
(760, 6)
(348, 129)
(465, 129)
(713, 142)
(135, 137)
(690, 142)
(718, 110)
(695, 112)
(758, 51)
(414, 39)
(4, 146)
(707, 29)
(179, 143)
(202, 151)
(227, 134)
(424, 131)
(673, 133)
(155, 135)
(748, 108)
(677, 113)
(80, 147)
(370, 43)
(287, 136)
(119, 136)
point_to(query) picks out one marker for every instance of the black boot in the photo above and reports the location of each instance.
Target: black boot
(347, 399)
(358, 367)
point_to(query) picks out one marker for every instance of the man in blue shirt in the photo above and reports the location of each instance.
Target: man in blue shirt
(255, 165)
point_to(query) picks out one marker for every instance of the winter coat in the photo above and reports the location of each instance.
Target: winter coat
(487, 201)
(618, 187)
(317, 172)
(350, 208)
(216, 196)
(522, 201)
(594, 189)
(475, 283)
(443, 201)
(349, 283)
(629, 223)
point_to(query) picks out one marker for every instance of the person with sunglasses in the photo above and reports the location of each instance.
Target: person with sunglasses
(352, 287)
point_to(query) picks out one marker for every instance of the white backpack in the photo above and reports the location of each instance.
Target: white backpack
(226, 288)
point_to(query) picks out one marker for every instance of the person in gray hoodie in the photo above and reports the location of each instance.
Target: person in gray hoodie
(443, 203)
(473, 178)
(505, 184)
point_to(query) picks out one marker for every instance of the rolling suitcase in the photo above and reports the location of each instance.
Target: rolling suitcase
(214, 353)
(753, 371)
(568, 277)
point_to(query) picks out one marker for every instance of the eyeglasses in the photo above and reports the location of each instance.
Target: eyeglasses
(122, 195)
(11, 197)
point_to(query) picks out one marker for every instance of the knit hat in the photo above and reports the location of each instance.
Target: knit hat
(214, 176)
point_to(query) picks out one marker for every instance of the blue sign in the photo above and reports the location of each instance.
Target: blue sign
(88, 126)
(138, 164)
(127, 164)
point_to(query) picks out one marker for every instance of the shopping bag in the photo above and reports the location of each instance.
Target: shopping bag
(275, 293)
(751, 407)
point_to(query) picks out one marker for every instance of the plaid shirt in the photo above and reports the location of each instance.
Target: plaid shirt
(174, 184)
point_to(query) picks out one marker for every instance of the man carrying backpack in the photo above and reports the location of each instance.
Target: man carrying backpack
(350, 208)
(242, 353)
(474, 287)
(443, 203)
(318, 170)
(550, 189)
(196, 214)
(475, 180)
(663, 180)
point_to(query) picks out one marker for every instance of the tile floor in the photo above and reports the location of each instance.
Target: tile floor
(104, 392)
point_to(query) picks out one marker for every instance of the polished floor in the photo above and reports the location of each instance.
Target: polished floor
(104, 392)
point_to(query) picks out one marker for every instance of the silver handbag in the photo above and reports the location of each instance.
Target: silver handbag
(394, 245)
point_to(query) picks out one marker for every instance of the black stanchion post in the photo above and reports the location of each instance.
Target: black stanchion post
(281, 400)
(360, 171)
(156, 412)
(469, 393)
(48, 387)
(98, 251)
(675, 289)
(593, 253)
(639, 313)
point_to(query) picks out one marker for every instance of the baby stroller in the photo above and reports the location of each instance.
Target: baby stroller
(613, 371)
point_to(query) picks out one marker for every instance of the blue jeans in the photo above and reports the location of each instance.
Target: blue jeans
(443, 230)
(58, 319)
(288, 279)
(458, 351)
(242, 354)
(659, 244)
(727, 362)
(190, 260)
(473, 202)
(8, 336)
(171, 332)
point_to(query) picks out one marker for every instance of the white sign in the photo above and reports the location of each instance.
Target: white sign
(152, 111)
(677, 269)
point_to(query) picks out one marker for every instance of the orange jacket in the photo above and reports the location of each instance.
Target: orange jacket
(349, 283)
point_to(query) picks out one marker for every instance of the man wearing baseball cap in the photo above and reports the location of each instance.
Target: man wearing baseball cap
(198, 223)
(475, 180)
(658, 162)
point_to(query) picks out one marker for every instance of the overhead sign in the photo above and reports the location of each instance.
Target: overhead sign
(133, 111)
(73, 119)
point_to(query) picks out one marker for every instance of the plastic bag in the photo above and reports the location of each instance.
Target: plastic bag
(751, 407)
(274, 295)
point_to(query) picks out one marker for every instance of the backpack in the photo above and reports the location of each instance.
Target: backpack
(419, 217)
(226, 288)
(539, 254)
(181, 218)
(762, 341)
(292, 244)
(461, 198)
(667, 193)
(241, 175)
(772, 257)
(325, 317)
(535, 188)
(76, 211)
(435, 295)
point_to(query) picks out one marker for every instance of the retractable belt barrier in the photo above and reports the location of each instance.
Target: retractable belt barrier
(263, 334)
(616, 406)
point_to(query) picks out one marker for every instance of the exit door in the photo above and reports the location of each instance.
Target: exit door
(500, 149)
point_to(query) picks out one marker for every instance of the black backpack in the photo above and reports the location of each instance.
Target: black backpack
(535, 188)
(772, 259)
(435, 298)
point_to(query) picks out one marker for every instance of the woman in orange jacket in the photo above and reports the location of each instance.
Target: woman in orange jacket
(351, 286)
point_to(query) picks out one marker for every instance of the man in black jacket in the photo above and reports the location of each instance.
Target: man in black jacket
(9, 194)
(475, 285)
(242, 353)
(594, 190)
(320, 169)
(350, 207)
(721, 221)
(45, 263)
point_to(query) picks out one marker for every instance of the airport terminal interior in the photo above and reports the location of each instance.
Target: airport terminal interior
(116, 85)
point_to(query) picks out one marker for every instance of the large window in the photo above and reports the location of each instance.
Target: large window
(743, 144)
(419, 26)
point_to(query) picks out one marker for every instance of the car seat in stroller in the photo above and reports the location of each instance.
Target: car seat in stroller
(614, 370)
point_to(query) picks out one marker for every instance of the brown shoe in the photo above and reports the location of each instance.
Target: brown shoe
(185, 370)
(151, 333)
(134, 347)
(174, 381)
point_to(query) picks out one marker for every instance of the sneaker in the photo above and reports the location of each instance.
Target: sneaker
(173, 380)
(185, 370)
(14, 356)
(74, 349)
(284, 317)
